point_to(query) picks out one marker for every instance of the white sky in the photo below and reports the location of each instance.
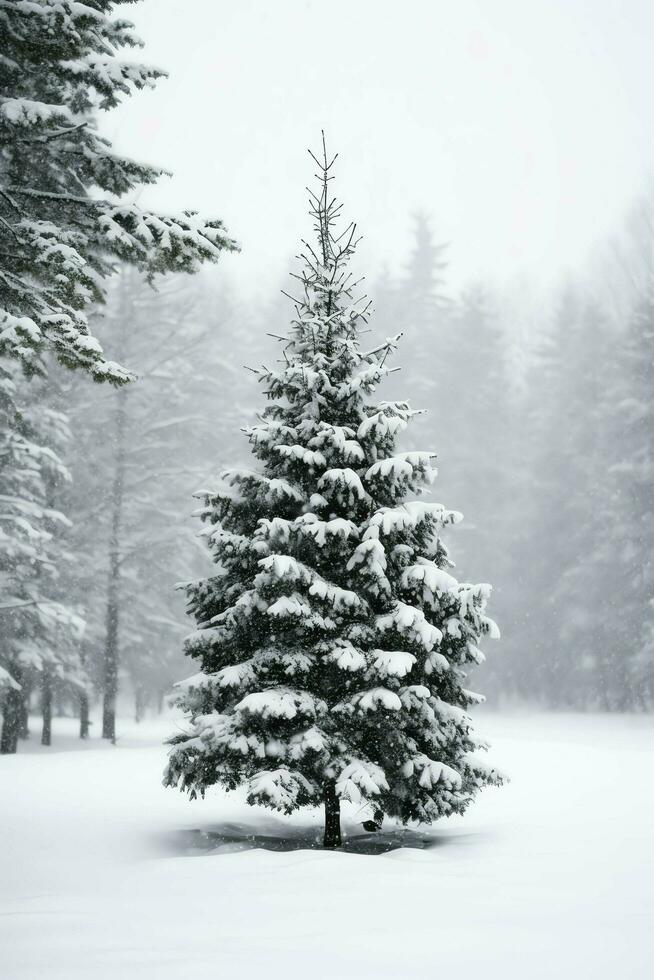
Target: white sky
(524, 127)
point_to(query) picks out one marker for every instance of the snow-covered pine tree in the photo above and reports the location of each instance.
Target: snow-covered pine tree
(62, 226)
(39, 631)
(333, 640)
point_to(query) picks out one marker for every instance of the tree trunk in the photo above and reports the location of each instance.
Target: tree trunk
(110, 679)
(46, 708)
(12, 716)
(160, 702)
(83, 715)
(25, 713)
(111, 650)
(140, 702)
(332, 815)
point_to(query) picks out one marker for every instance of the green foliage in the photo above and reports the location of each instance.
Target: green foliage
(62, 226)
(332, 639)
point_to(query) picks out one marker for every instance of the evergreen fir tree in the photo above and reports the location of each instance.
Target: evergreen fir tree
(39, 630)
(417, 304)
(560, 651)
(425, 276)
(476, 410)
(478, 442)
(542, 668)
(333, 640)
(62, 225)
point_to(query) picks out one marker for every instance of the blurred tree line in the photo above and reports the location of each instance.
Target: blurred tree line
(66, 229)
(543, 424)
(546, 440)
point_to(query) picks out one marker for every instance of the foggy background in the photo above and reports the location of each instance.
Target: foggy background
(497, 158)
(523, 129)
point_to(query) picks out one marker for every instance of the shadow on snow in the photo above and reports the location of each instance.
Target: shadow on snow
(228, 838)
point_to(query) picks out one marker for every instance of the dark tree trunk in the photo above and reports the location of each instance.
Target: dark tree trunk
(12, 718)
(111, 649)
(83, 715)
(110, 678)
(46, 708)
(25, 713)
(332, 815)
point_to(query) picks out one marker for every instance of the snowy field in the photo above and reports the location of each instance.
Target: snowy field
(106, 875)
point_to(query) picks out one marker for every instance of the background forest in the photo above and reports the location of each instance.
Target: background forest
(542, 421)
(537, 396)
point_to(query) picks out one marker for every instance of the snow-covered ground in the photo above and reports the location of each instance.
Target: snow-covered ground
(104, 874)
